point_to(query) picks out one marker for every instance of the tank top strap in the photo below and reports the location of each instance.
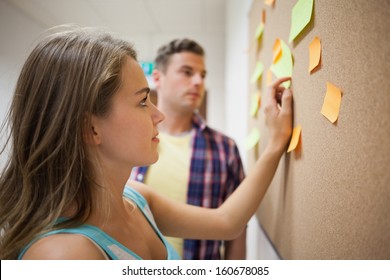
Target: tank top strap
(110, 246)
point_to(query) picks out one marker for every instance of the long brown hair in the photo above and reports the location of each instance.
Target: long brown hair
(67, 76)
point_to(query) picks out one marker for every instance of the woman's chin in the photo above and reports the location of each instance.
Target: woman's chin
(150, 160)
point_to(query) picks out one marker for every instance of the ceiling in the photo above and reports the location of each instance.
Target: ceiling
(129, 17)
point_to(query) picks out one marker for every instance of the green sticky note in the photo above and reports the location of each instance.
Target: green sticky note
(255, 104)
(259, 31)
(300, 17)
(284, 66)
(252, 139)
(258, 72)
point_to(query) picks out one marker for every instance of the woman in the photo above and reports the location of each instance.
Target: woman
(80, 120)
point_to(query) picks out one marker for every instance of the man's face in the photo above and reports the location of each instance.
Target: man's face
(181, 87)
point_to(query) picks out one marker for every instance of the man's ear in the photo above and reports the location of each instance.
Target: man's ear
(156, 75)
(91, 134)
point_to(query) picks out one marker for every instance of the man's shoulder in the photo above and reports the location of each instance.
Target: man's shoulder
(219, 136)
(211, 134)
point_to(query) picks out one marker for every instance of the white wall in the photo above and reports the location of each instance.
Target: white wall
(237, 104)
(17, 34)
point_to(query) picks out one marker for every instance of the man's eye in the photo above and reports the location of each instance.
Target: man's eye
(188, 73)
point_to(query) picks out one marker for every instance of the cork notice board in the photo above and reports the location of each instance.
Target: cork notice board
(330, 198)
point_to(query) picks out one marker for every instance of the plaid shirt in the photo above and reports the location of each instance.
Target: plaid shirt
(215, 172)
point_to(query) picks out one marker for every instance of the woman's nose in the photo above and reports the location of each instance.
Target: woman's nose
(157, 115)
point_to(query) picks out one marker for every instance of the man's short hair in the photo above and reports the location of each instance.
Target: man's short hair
(176, 46)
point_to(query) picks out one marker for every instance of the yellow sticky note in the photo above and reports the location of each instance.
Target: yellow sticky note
(252, 139)
(331, 107)
(284, 66)
(258, 72)
(314, 53)
(300, 17)
(269, 2)
(276, 51)
(294, 138)
(259, 31)
(255, 104)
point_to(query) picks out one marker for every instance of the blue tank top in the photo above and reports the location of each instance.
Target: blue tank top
(109, 245)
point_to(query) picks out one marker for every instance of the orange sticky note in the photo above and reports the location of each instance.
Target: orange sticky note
(314, 53)
(331, 107)
(277, 51)
(294, 138)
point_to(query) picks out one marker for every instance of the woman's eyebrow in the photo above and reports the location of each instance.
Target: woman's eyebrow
(145, 89)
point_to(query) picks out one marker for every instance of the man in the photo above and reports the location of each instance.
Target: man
(197, 165)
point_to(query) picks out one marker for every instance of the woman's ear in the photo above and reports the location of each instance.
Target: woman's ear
(91, 135)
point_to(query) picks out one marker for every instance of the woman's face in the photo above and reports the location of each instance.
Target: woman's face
(127, 136)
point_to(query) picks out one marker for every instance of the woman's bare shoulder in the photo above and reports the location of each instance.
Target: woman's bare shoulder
(143, 189)
(64, 247)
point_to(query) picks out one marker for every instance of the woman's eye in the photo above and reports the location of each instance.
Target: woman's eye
(144, 101)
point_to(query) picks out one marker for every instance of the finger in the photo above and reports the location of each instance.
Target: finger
(281, 88)
(287, 101)
(278, 82)
(278, 97)
(276, 90)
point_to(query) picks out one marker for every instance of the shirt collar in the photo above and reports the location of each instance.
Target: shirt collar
(198, 122)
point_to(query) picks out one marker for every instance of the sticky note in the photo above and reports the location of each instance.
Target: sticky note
(269, 2)
(255, 104)
(252, 139)
(300, 17)
(331, 106)
(259, 31)
(258, 72)
(314, 53)
(284, 66)
(276, 51)
(294, 138)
